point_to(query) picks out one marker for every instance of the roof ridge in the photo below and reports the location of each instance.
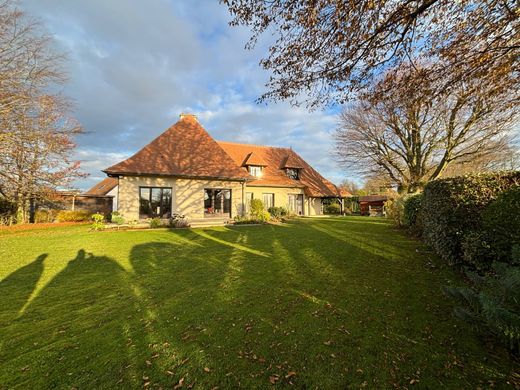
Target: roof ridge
(256, 145)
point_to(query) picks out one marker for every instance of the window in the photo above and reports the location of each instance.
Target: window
(217, 202)
(268, 200)
(155, 202)
(295, 203)
(255, 170)
(293, 173)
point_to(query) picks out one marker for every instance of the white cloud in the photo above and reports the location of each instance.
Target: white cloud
(135, 66)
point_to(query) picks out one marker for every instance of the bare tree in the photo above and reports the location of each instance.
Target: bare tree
(413, 135)
(27, 62)
(326, 49)
(36, 128)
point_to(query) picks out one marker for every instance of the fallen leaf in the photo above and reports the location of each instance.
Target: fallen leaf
(169, 372)
(206, 369)
(273, 379)
(290, 374)
(179, 385)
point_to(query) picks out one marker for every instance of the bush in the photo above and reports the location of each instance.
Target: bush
(476, 250)
(73, 216)
(155, 223)
(117, 218)
(45, 216)
(256, 207)
(411, 216)
(395, 211)
(332, 208)
(501, 224)
(492, 302)
(98, 222)
(7, 212)
(277, 212)
(178, 221)
(452, 208)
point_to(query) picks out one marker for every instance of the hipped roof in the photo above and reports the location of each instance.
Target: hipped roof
(186, 150)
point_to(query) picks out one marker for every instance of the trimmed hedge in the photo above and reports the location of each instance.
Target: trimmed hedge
(452, 208)
(501, 223)
(73, 216)
(332, 208)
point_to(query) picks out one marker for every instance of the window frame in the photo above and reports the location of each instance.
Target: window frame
(162, 204)
(296, 172)
(258, 168)
(266, 206)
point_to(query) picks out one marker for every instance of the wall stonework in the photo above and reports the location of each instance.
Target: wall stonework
(187, 194)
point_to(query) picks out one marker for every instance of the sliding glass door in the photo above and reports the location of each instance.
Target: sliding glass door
(217, 202)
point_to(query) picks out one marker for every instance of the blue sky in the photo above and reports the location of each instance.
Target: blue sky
(134, 66)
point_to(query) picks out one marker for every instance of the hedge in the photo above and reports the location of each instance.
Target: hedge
(452, 209)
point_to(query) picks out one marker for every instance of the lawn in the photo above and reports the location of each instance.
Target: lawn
(315, 303)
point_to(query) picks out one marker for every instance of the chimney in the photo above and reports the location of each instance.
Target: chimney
(188, 116)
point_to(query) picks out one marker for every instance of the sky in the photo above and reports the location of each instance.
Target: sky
(134, 66)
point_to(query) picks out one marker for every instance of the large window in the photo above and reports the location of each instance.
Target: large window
(268, 200)
(217, 202)
(155, 202)
(255, 170)
(295, 203)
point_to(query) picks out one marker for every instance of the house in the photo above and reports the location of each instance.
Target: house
(105, 188)
(373, 205)
(185, 171)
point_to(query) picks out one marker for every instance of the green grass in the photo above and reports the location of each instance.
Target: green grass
(328, 303)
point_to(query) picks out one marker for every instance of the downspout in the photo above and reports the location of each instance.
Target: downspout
(243, 208)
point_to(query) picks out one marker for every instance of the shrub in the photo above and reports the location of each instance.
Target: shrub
(492, 302)
(332, 208)
(155, 223)
(45, 216)
(277, 212)
(239, 220)
(117, 218)
(501, 223)
(73, 216)
(395, 211)
(452, 208)
(411, 216)
(476, 250)
(178, 221)
(7, 212)
(256, 207)
(98, 222)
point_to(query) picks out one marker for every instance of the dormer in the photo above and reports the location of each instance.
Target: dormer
(292, 167)
(255, 164)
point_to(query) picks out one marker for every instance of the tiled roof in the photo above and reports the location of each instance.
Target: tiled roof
(291, 162)
(186, 150)
(274, 174)
(254, 159)
(103, 187)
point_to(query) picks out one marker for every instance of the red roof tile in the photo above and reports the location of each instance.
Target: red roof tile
(254, 159)
(103, 187)
(186, 150)
(274, 173)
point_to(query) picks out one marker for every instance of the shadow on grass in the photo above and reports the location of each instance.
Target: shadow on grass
(237, 307)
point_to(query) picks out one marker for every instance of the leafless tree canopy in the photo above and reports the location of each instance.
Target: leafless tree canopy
(36, 128)
(326, 49)
(413, 136)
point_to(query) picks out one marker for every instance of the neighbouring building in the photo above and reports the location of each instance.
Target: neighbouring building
(373, 205)
(185, 171)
